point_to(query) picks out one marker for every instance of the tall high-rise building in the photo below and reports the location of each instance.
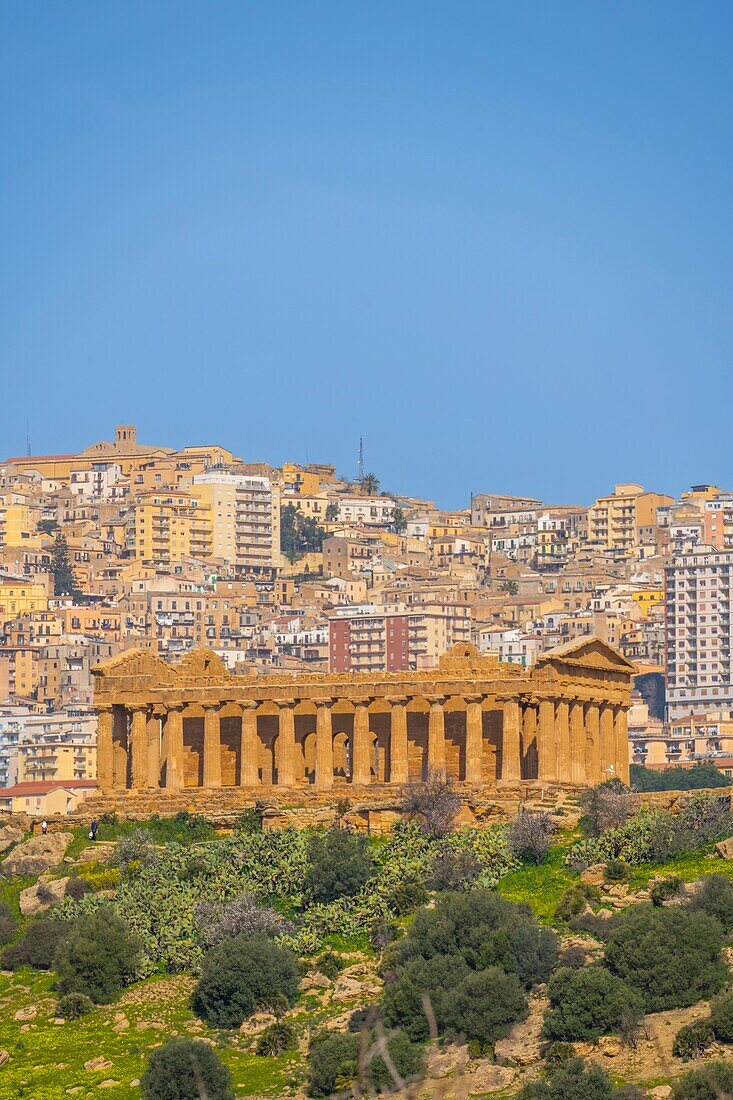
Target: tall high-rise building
(244, 517)
(699, 635)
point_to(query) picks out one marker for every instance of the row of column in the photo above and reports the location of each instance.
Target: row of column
(551, 739)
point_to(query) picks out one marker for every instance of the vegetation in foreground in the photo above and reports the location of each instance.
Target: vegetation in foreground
(264, 963)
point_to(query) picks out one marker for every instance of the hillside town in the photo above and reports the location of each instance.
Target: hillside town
(298, 569)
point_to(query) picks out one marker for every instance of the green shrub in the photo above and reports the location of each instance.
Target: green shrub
(100, 877)
(670, 957)
(529, 835)
(76, 888)
(721, 1017)
(340, 864)
(276, 1039)
(486, 930)
(693, 1039)
(332, 1062)
(407, 896)
(594, 925)
(73, 1005)
(406, 1057)
(573, 1080)
(711, 1082)
(330, 965)
(402, 1000)
(573, 957)
(8, 923)
(587, 1003)
(665, 889)
(617, 870)
(37, 946)
(607, 806)
(715, 897)
(241, 975)
(454, 869)
(677, 779)
(483, 1005)
(186, 1069)
(570, 905)
(97, 958)
(557, 1054)
(133, 851)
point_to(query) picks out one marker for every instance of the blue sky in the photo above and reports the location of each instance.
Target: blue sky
(492, 238)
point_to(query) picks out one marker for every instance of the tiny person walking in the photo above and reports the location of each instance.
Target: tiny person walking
(44, 826)
(93, 830)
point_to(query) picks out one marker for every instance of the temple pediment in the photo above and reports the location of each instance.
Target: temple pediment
(139, 664)
(590, 653)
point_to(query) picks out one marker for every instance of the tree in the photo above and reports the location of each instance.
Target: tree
(484, 1005)
(37, 946)
(97, 957)
(607, 806)
(715, 897)
(332, 512)
(587, 1003)
(332, 1059)
(573, 1080)
(693, 1039)
(243, 974)
(369, 485)
(711, 1082)
(670, 957)
(244, 913)
(435, 802)
(530, 833)
(403, 1003)
(399, 521)
(186, 1069)
(511, 588)
(340, 864)
(64, 581)
(721, 1017)
(678, 779)
(299, 534)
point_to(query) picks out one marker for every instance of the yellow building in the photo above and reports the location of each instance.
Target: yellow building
(615, 521)
(19, 524)
(46, 799)
(306, 481)
(165, 527)
(19, 595)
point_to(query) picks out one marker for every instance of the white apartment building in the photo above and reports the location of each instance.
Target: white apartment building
(699, 635)
(60, 745)
(244, 517)
(367, 511)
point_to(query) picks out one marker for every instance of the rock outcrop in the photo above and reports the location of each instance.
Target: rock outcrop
(37, 854)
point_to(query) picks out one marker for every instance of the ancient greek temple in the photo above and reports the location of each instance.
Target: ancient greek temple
(196, 724)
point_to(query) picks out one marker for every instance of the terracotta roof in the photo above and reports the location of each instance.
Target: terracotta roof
(46, 786)
(37, 458)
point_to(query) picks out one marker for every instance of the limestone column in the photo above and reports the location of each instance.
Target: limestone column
(361, 771)
(398, 758)
(546, 743)
(212, 748)
(154, 749)
(474, 739)
(139, 746)
(324, 745)
(620, 723)
(249, 750)
(529, 741)
(562, 727)
(608, 743)
(105, 751)
(510, 741)
(436, 734)
(286, 743)
(174, 772)
(593, 768)
(577, 742)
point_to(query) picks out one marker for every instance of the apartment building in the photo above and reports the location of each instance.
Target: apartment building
(243, 518)
(164, 528)
(19, 595)
(33, 741)
(698, 633)
(365, 511)
(616, 521)
(394, 639)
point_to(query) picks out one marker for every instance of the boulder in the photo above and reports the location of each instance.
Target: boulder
(595, 875)
(313, 980)
(37, 899)
(4, 1057)
(37, 854)
(97, 1063)
(10, 834)
(724, 848)
(489, 1078)
(660, 1092)
(357, 981)
(257, 1022)
(97, 853)
(29, 1012)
